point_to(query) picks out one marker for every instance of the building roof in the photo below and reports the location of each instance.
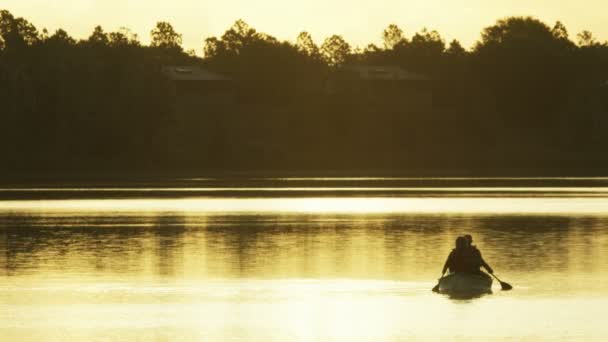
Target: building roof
(191, 73)
(384, 72)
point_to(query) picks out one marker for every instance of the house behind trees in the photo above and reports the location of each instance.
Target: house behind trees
(202, 106)
(381, 85)
(196, 90)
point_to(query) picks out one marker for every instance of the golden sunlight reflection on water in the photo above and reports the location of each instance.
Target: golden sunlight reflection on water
(368, 205)
(298, 269)
(298, 310)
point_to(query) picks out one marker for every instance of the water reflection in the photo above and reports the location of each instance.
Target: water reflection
(292, 275)
(411, 247)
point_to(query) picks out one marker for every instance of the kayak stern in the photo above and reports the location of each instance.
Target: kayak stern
(465, 284)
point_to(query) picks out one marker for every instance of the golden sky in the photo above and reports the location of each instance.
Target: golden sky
(359, 21)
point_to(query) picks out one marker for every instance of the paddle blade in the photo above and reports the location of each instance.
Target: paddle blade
(505, 286)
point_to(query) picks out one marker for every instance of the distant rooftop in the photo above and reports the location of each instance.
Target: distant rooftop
(384, 72)
(191, 73)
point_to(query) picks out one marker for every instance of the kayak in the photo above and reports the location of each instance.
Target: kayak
(465, 284)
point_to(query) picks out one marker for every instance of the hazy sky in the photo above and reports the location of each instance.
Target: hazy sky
(359, 21)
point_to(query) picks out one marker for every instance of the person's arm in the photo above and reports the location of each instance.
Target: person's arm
(485, 265)
(447, 264)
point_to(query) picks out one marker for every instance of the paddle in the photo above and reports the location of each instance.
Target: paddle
(503, 285)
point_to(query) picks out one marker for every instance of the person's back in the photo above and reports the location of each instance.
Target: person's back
(475, 260)
(461, 261)
(472, 260)
(458, 260)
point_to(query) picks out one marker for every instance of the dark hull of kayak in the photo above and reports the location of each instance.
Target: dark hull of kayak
(465, 284)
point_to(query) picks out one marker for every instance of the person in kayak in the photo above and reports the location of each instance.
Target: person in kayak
(459, 258)
(476, 259)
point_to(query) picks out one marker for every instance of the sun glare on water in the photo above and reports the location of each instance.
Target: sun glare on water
(360, 205)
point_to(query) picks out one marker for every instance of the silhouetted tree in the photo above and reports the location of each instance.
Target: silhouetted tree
(559, 31)
(213, 47)
(429, 43)
(16, 33)
(61, 37)
(264, 65)
(455, 49)
(123, 37)
(527, 66)
(164, 36)
(392, 36)
(103, 101)
(98, 37)
(591, 60)
(335, 50)
(239, 35)
(422, 53)
(585, 38)
(305, 44)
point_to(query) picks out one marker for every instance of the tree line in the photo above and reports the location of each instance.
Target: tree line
(102, 103)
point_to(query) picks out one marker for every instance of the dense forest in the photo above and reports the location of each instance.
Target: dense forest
(527, 98)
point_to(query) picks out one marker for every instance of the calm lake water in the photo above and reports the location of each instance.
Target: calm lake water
(300, 259)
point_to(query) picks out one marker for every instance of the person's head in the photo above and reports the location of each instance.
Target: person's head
(461, 242)
(469, 239)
